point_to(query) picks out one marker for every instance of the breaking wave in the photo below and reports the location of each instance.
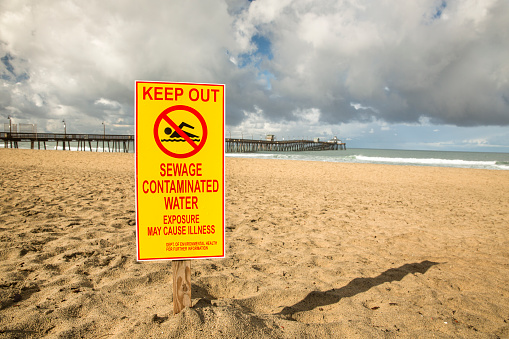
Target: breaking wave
(434, 162)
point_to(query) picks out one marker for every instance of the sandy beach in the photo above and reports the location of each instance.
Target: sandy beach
(313, 250)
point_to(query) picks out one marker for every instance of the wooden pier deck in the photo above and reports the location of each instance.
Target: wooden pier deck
(108, 142)
(246, 145)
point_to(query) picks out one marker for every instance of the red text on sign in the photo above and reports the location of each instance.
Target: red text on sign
(162, 93)
(181, 219)
(184, 203)
(180, 186)
(179, 170)
(174, 230)
(195, 94)
(202, 229)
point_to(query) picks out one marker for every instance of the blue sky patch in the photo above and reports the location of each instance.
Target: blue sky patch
(439, 10)
(263, 46)
(11, 75)
(263, 50)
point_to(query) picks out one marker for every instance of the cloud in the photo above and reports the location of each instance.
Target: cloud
(444, 61)
(108, 103)
(358, 106)
(477, 142)
(292, 65)
(75, 54)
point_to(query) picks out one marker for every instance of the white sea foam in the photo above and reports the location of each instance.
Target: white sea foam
(429, 161)
(393, 159)
(249, 155)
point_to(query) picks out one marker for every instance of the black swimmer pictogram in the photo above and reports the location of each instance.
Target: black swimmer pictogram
(174, 136)
(180, 131)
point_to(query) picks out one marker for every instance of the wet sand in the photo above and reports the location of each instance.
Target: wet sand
(312, 250)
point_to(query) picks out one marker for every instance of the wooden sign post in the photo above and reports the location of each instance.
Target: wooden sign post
(181, 285)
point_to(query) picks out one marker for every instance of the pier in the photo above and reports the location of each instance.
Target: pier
(122, 143)
(246, 145)
(111, 142)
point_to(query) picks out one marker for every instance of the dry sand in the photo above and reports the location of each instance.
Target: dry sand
(314, 250)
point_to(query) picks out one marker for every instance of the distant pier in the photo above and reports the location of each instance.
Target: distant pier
(246, 145)
(108, 142)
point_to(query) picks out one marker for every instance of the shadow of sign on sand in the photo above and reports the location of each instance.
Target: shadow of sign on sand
(358, 285)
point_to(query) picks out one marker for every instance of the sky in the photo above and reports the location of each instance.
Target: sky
(427, 74)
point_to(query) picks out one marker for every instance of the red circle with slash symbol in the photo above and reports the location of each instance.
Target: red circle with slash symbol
(174, 118)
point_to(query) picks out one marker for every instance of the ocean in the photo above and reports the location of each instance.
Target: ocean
(479, 160)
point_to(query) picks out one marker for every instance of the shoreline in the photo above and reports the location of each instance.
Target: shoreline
(312, 249)
(425, 158)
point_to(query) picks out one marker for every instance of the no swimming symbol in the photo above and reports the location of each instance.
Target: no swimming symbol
(180, 131)
(175, 136)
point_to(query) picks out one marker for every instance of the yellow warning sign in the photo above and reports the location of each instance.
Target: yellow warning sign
(179, 170)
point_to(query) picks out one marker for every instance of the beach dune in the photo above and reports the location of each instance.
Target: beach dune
(313, 249)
